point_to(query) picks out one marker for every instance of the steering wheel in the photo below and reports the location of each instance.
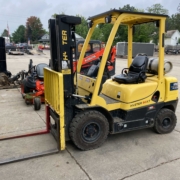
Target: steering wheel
(31, 68)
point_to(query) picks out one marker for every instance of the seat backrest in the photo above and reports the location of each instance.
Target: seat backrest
(93, 70)
(39, 69)
(139, 64)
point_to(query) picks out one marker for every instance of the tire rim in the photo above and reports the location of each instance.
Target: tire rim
(91, 132)
(166, 123)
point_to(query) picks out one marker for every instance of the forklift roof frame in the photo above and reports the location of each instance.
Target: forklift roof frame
(118, 17)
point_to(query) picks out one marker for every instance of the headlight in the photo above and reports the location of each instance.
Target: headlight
(90, 24)
(108, 19)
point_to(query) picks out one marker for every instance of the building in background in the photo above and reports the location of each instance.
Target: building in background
(172, 38)
(7, 40)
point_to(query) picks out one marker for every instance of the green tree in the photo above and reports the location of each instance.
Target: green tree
(175, 22)
(34, 29)
(121, 35)
(54, 15)
(97, 34)
(169, 24)
(82, 29)
(153, 30)
(19, 34)
(127, 7)
(155, 38)
(142, 33)
(105, 31)
(157, 9)
(5, 33)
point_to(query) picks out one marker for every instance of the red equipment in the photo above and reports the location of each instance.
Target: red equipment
(32, 87)
(88, 60)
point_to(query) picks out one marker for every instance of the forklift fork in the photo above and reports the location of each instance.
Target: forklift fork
(34, 155)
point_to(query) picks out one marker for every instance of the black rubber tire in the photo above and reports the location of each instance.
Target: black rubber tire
(37, 103)
(165, 121)
(92, 121)
(27, 102)
(24, 88)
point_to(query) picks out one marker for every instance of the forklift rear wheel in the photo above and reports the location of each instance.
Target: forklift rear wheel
(89, 129)
(165, 121)
(37, 103)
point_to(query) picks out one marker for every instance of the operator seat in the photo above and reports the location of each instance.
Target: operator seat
(40, 71)
(30, 81)
(93, 70)
(136, 72)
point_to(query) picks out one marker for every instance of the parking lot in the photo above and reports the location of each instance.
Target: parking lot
(136, 155)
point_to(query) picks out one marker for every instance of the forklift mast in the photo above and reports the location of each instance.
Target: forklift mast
(62, 42)
(3, 66)
(53, 47)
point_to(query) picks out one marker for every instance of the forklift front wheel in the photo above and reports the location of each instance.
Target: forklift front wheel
(165, 121)
(89, 129)
(37, 103)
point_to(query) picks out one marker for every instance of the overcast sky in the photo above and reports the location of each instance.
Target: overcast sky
(16, 12)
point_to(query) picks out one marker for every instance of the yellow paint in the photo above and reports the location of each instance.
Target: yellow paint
(130, 50)
(122, 96)
(54, 97)
(117, 19)
(64, 37)
(65, 56)
(66, 71)
(86, 83)
(129, 92)
(170, 94)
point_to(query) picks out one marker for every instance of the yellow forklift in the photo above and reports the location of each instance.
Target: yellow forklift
(85, 109)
